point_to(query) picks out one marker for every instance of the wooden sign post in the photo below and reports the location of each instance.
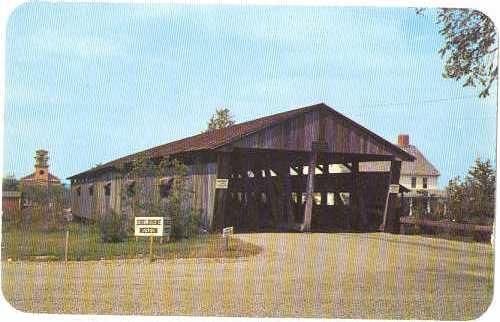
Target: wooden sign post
(226, 233)
(149, 226)
(151, 239)
(66, 246)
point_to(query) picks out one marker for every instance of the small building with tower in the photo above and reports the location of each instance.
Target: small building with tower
(41, 175)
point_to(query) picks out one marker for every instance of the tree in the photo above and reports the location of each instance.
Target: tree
(473, 199)
(171, 199)
(221, 119)
(480, 185)
(455, 199)
(470, 47)
(138, 180)
(10, 183)
(45, 205)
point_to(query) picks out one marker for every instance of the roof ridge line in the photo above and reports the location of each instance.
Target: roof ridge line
(291, 112)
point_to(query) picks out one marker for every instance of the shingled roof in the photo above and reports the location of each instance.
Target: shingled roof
(215, 139)
(31, 177)
(420, 167)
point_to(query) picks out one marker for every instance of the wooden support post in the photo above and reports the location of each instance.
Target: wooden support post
(240, 196)
(306, 225)
(390, 222)
(358, 198)
(271, 197)
(324, 198)
(354, 197)
(362, 204)
(226, 242)
(340, 208)
(287, 194)
(246, 213)
(221, 195)
(250, 200)
(259, 188)
(151, 255)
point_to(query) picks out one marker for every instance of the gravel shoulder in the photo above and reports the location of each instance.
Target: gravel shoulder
(296, 275)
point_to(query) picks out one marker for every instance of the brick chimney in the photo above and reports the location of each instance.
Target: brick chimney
(403, 140)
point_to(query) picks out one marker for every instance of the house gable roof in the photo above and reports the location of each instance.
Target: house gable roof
(420, 167)
(216, 139)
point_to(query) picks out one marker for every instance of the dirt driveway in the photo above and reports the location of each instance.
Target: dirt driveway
(297, 275)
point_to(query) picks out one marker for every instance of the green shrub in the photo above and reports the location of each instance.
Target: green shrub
(186, 225)
(112, 227)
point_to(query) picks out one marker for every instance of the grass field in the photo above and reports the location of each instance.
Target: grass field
(33, 243)
(296, 275)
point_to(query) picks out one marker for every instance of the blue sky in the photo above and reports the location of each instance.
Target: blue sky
(93, 82)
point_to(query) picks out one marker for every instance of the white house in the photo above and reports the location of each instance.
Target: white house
(420, 177)
(419, 174)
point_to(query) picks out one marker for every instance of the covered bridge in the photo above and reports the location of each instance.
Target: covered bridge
(297, 170)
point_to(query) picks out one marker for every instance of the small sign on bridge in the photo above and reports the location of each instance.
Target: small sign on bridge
(221, 183)
(394, 188)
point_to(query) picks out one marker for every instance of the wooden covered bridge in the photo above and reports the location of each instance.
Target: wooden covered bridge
(297, 170)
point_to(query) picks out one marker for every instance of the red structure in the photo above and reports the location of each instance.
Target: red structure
(11, 200)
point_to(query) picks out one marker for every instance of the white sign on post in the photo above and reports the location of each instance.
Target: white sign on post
(221, 183)
(394, 188)
(226, 232)
(148, 226)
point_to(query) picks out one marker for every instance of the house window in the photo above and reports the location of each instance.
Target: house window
(78, 191)
(424, 183)
(41, 172)
(413, 182)
(107, 190)
(91, 190)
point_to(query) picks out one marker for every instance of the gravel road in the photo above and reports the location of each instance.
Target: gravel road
(297, 275)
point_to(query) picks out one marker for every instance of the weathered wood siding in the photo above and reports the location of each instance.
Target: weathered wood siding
(200, 181)
(202, 178)
(298, 134)
(93, 207)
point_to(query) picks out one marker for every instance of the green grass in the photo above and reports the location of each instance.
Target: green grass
(33, 243)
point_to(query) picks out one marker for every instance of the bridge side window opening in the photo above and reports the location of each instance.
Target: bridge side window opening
(107, 190)
(165, 186)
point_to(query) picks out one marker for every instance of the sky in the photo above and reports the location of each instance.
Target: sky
(93, 82)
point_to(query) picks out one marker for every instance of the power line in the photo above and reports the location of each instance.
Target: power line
(437, 100)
